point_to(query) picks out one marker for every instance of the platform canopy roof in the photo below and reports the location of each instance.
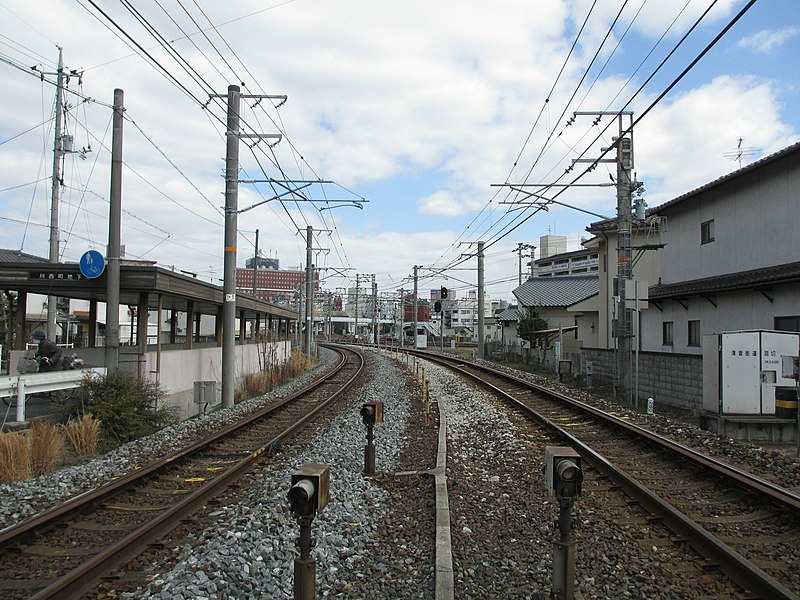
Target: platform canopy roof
(139, 282)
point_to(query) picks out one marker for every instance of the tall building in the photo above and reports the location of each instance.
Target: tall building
(552, 244)
(272, 283)
(263, 263)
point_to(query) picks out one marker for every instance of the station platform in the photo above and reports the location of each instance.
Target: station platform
(751, 428)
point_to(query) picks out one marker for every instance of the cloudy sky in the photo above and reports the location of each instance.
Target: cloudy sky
(417, 110)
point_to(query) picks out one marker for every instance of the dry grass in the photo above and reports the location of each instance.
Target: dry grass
(83, 435)
(47, 448)
(15, 457)
(296, 365)
(256, 384)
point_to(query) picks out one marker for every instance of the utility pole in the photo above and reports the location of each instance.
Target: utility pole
(232, 136)
(231, 228)
(374, 310)
(481, 293)
(624, 148)
(520, 248)
(622, 329)
(356, 311)
(58, 152)
(309, 289)
(402, 318)
(255, 265)
(114, 241)
(416, 303)
(299, 333)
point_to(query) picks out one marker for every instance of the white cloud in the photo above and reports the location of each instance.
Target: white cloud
(688, 142)
(767, 41)
(441, 203)
(376, 91)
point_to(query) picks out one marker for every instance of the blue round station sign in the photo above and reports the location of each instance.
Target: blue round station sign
(92, 264)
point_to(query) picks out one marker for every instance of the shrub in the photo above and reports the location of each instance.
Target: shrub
(83, 435)
(15, 457)
(126, 407)
(46, 447)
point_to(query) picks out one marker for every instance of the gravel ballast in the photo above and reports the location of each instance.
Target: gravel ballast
(375, 538)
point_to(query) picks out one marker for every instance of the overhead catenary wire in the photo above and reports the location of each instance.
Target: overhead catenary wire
(182, 62)
(475, 232)
(530, 133)
(525, 215)
(658, 99)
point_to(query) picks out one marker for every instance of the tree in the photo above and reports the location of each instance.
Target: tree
(529, 323)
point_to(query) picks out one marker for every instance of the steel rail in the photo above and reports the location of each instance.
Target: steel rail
(740, 570)
(86, 577)
(15, 532)
(775, 492)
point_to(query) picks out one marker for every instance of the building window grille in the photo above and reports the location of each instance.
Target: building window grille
(707, 232)
(667, 333)
(694, 333)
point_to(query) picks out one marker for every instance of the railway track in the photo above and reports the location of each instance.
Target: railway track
(65, 552)
(744, 526)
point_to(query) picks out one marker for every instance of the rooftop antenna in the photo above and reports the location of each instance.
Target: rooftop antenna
(742, 152)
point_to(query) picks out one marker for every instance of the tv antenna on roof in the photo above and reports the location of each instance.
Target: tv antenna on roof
(742, 152)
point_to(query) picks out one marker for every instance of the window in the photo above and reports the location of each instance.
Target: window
(787, 323)
(707, 232)
(694, 333)
(666, 333)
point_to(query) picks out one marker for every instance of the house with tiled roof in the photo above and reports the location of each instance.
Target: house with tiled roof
(569, 304)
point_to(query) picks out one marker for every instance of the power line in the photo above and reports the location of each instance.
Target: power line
(658, 99)
(174, 165)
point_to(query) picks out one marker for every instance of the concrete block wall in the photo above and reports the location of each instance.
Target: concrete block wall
(671, 379)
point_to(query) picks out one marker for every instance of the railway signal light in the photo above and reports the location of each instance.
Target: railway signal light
(562, 477)
(372, 412)
(443, 293)
(309, 492)
(437, 306)
(562, 474)
(307, 496)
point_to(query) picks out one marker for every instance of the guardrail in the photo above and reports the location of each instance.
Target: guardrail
(38, 383)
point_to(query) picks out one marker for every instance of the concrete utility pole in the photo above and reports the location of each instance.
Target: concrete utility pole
(416, 305)
(232, 136)
(374, 310)
(58, 152)
(624, 147)
(298, 338)
(481, 294)
(309, 288)
(255, 265)
(402, 318)
(520, 248)
(114, 237)
(231, 227)
(356, 311)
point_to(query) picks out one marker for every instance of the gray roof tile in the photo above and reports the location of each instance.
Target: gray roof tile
(18, 256)
(557, 291)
